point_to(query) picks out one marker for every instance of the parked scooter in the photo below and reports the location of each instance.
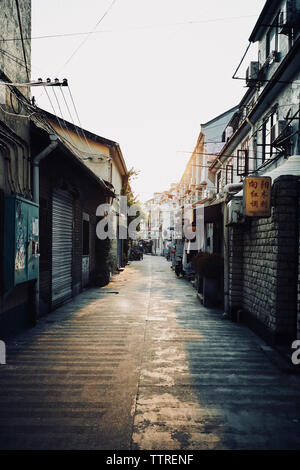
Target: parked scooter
(136, 253)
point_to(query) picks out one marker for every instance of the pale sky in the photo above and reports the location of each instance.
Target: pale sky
(151, 74)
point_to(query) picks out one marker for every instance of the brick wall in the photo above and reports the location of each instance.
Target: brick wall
(235, 271)
(260, 270)
(264, 263)
(286, 218)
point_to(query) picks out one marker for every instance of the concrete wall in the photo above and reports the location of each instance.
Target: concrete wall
(15, 306)
(12, 63)
(283, 40)
(14, 66)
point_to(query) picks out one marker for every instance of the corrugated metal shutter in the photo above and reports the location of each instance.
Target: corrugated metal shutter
(62, 223)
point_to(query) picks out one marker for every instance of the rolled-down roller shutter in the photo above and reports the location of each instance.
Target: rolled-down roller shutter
(62, 223)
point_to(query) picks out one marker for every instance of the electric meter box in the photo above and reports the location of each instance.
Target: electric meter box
(21, 238)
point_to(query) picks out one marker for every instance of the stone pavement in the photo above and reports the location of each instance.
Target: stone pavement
(141, 364)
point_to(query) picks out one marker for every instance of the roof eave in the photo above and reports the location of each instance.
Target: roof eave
(77, 161)
(267, 11)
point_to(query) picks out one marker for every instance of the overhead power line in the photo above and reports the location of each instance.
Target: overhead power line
(87, 37)
(60, 120)
(77, 115)
(138, 28)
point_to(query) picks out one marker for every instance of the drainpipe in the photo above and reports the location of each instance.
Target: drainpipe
(36, 196)
(226, 262)
(229, 189)
(36, 163)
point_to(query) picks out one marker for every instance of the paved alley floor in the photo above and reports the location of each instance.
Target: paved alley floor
(141, 364)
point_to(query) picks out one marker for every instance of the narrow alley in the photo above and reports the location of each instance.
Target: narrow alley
(141, 364)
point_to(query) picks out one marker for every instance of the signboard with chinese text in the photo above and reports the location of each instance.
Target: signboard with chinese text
(257, 196)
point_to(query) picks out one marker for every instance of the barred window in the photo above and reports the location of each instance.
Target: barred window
(229, 174)
(242, 162)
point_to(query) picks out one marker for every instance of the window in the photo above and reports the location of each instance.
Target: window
(243, 158)
(267, 149)
(242, 162)
(272, 38)
(229, 174)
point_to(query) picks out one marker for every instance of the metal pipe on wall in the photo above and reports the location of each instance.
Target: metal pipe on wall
(36, 164)
(228, 189)
(36, 196)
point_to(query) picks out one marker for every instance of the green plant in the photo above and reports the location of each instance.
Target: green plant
(209, 265)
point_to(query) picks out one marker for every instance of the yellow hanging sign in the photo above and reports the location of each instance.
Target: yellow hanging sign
(257, 196)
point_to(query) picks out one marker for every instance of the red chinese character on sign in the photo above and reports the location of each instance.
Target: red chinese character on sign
(254, 194)
(254, 203)
(264, 194)
(253, 184)
(263, 204)
(265, 184)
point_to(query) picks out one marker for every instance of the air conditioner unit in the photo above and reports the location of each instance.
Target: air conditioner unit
(236, 211)
(252, 73)
(280, 129)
